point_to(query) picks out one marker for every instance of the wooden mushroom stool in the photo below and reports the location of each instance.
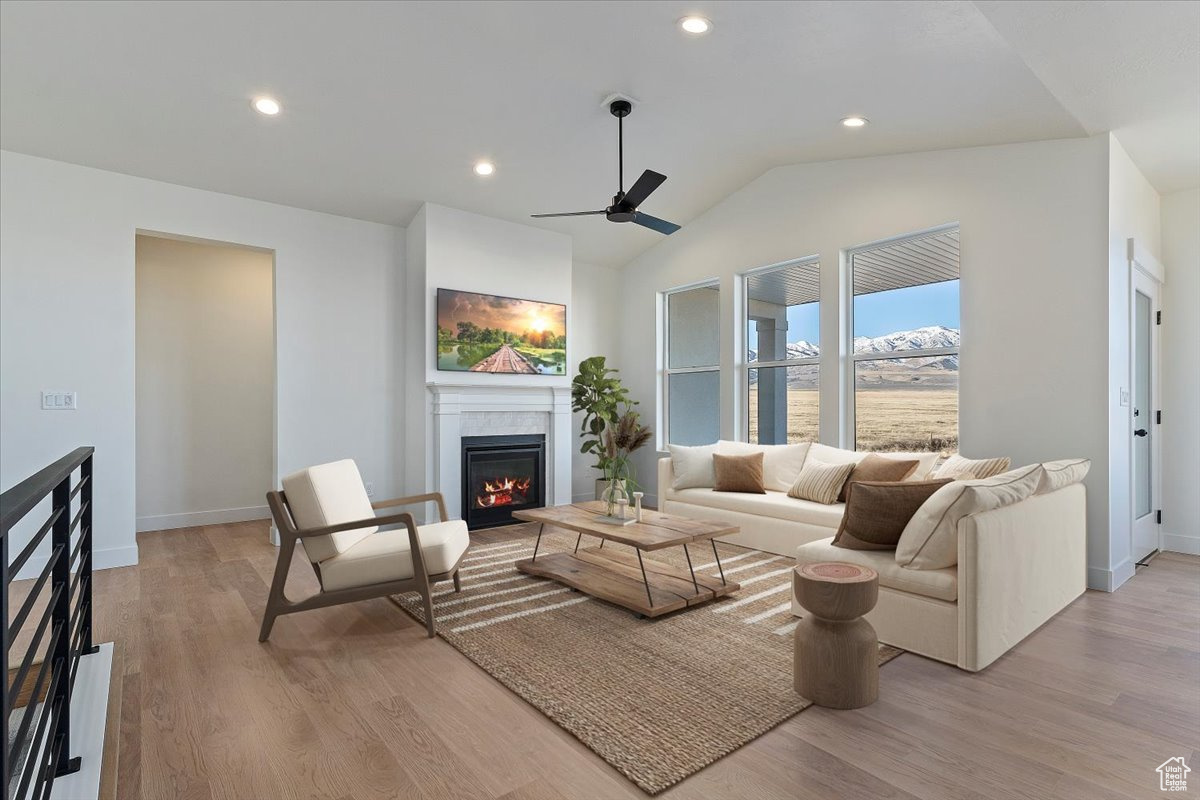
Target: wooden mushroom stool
(837, 652)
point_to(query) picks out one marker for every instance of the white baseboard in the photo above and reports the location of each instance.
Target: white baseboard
(101, 559)
(583, 497)
(1181, 543)
(192, 519)
(1109, 580)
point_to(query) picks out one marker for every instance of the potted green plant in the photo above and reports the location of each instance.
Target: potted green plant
(598, 394)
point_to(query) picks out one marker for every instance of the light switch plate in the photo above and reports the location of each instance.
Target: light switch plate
(1124, 396)
(60, 401)
(370, 487)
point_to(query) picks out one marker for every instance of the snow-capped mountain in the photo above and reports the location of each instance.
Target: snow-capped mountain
(885, 370)
(920, 339)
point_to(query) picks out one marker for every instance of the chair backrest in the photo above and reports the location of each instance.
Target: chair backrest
(328, 494)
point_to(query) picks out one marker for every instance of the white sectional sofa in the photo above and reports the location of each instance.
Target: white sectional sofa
(1018, 565)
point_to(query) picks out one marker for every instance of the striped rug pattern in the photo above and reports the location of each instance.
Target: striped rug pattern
(659, 699)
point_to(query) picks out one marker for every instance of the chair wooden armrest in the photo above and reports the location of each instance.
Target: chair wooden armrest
(417, 498)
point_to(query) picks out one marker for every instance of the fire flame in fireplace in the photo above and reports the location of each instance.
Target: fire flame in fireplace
(501, 491)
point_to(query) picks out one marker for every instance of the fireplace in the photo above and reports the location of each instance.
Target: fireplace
(500, 475)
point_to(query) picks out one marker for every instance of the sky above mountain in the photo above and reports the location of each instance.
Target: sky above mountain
(882, 313)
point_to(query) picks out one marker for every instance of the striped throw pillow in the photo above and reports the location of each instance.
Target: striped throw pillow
(957, 467)
(820, 482)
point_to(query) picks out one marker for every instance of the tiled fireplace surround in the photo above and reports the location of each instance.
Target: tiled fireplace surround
(460, 411)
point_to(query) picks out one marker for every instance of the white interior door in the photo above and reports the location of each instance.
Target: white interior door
(1147, 478)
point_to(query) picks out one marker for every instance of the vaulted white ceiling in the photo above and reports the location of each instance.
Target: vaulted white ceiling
(387, 105)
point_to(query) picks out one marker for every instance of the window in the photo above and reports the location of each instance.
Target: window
(692, 387)
(906, 305)
(783, 352)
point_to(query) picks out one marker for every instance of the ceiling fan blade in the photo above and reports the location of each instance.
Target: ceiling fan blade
(570, 214)
(655, 224)
(640, 190)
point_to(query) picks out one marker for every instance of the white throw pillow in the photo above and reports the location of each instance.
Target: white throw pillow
(781, 462)
(692, 466)
(956, 465)
(930, 540)
(1057, 474)
(820, 482)
(834, 455)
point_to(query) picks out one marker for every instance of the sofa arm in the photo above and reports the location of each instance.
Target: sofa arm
(1018, 566)
(665, 478)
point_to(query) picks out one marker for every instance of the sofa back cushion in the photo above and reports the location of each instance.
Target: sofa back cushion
(781, 462)
(1057, 474)
(739, 473)
(834, 455)
(821, 482)
(925, 463)
(692, 466)
(878, 511)
(877, 468)
(930, 540)
(329, 494)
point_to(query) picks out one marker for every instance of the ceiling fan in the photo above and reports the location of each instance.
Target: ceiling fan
(624, 206)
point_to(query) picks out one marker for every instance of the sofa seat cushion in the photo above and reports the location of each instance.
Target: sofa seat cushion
(771, 504)
(939, 584)
(385, 556)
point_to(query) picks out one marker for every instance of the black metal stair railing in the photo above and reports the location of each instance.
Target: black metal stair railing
(62, 631)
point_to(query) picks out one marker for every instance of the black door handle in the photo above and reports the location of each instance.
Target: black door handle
(1140, 432)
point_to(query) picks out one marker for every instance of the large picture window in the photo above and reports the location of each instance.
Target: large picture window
(782, 352)
(692, 386)
(906, 342)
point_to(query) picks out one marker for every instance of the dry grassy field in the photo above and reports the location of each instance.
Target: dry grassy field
(886, 418)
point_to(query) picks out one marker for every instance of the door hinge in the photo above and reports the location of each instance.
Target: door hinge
(1158, 417)
(1158, 516)
(1158, 318)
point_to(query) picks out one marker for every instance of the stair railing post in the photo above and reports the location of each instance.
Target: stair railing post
(85, 558)
(60, 580)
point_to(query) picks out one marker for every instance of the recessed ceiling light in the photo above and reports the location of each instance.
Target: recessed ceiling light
(854, 122)
(484, 168)
(695, 25)
(266, 105)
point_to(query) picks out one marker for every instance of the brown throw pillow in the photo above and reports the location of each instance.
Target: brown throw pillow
(877, 512)
(878, 468)
(739, 473)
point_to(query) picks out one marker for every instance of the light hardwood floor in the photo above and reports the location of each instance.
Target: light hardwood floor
(354, 702)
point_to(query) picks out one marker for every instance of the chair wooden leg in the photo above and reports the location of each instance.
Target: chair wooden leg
(427, 597)
(457, 582)
(276, 599)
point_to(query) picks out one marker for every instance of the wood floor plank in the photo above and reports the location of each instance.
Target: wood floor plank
(355, 701)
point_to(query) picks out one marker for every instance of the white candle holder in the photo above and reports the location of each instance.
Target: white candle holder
(637, 505)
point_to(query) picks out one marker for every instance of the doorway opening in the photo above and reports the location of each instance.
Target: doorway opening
(205, 350)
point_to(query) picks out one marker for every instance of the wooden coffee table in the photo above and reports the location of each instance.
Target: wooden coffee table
(650, 588)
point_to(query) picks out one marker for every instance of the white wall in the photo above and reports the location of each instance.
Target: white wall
(596, 295)
(67, 322)
(1181, 373)
(205, 367)
(1033, 217)
(454, 249)
(1133, 213)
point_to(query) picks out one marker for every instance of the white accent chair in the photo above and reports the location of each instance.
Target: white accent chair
(356, 554)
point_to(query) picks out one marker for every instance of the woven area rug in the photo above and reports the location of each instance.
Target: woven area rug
(659, 699)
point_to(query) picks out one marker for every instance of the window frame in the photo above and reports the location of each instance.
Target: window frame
(744, 327)
(665, 355)
(850, 405)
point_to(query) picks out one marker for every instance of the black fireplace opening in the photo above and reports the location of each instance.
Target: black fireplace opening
(500, 475)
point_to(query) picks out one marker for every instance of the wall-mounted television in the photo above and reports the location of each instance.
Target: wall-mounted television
(490, 333)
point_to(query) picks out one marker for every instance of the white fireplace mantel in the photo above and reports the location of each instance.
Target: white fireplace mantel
(501, 410)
